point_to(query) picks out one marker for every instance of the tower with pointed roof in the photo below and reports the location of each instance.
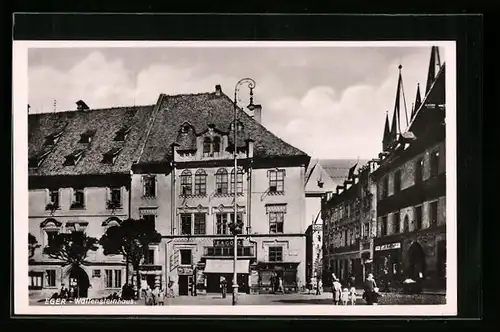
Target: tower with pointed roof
(387, 133)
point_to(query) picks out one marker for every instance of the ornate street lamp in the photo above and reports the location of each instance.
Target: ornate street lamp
(236, 226)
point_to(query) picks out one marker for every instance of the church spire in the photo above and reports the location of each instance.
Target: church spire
(434, 63)
(396, 117)
(387, 133)
(418, 102)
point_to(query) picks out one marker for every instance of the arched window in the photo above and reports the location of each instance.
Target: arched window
(111, 222)
(239, 182)
(200, 182)
(207, 145)
(216, 144)
(186, 182)
(221, 181)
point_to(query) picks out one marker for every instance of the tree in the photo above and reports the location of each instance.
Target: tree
(32, 246)
(71, 248)
(130, 239)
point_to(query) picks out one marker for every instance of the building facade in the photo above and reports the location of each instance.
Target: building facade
(79, 181)
(184, 182)
(349, 214)
(411, 191)
(318, 184)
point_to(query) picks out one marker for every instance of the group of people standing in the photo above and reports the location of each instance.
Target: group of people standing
(349, 295)
(157, 295)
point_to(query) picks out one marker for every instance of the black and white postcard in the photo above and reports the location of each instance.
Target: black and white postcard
(235, 178)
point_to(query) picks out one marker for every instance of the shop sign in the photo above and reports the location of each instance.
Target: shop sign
(184, 270)
(227, 243)
(389, 246)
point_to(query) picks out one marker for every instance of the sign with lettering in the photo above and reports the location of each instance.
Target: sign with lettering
(227, 243)
(184, 270)
(389, 246)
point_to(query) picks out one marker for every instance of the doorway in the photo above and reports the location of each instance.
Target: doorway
(184, 285)
(150, 280)
(79, 279)
(416, 261)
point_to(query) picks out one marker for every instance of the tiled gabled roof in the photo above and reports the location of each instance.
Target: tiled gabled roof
(200, 110)
(105, 122)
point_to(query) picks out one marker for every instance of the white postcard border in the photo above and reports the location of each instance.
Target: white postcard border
(20, 194)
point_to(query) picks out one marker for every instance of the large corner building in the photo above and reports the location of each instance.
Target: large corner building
(172, 165)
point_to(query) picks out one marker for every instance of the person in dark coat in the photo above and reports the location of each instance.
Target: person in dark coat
(370, 294)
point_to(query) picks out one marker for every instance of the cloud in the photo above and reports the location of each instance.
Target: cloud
(327, 124)
(328, 108)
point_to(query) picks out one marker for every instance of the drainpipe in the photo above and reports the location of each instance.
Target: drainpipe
(130, 195)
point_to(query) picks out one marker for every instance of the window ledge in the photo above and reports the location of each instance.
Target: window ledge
(193, 196)
(276, 193)
(77, 207)
(148, 196)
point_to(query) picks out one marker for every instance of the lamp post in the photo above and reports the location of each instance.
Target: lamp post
(237, 227)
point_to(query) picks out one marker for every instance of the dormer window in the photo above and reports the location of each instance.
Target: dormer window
(72, 159)
(185, 128)
(110, 156)
(121, 134)
(52, 138)
(37, 160)
(87, 136)
(212, 145)
(207, 145)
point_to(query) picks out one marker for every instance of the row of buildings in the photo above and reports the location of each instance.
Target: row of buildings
(171, 165)
(389, 217)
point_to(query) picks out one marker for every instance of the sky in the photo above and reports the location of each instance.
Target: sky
(330, 102)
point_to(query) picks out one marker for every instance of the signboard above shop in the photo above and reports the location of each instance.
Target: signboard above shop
(227, 243)
(389, 246)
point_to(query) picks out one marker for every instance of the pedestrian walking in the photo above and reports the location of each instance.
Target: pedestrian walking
(156, 293)
(370, 290)
(161, 297)
(319, 285)
(336, 290)
(223, 287)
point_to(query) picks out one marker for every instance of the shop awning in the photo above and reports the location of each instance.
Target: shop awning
(226, 266)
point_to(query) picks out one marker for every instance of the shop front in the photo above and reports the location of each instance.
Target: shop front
(270, 274)
(216, 269)
(388, 269)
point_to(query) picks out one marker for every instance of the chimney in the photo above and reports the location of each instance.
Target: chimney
(218, 90)
(81, 105)
(257, 113)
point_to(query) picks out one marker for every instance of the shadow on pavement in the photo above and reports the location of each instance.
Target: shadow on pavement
(312, 301)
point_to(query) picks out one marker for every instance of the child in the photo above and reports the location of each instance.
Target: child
(345, 296)
(352, 296)
(161, 297)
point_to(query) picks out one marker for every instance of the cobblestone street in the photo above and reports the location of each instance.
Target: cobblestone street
(290, 299)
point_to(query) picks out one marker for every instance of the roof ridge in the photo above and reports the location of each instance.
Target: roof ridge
(92, 110)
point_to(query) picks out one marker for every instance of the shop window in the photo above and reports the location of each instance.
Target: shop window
(186, 256)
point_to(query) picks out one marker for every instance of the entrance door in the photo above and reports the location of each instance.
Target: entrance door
(416, 258)
(150, 280)
(183, 285)
(80, 280)
(242, 283)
